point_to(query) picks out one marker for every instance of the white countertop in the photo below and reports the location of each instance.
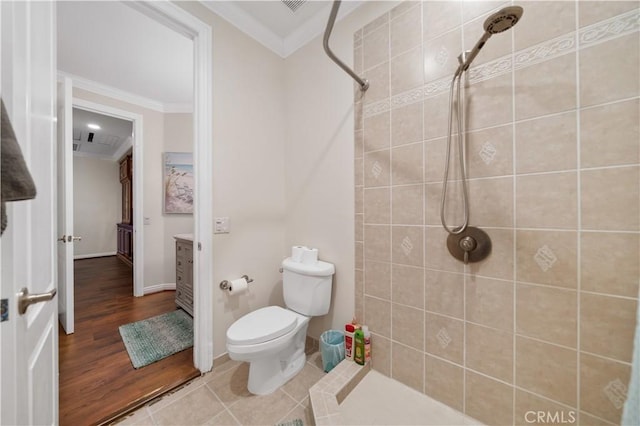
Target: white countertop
(188, 237)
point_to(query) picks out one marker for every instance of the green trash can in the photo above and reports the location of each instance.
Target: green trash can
(331, 348)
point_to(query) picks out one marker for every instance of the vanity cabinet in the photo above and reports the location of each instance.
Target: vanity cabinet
(184, 274)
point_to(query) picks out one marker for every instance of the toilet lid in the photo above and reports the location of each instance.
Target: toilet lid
(261, 325)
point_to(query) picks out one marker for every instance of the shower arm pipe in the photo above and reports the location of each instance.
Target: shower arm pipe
(363, 82)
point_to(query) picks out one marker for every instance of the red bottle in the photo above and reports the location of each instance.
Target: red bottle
(349, 329)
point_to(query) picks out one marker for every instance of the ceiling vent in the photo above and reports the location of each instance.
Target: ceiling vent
(293, 5)
(75, 146)
(90, 138)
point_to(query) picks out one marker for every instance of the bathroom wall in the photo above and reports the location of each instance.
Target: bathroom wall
(97, 199)
(546, 322)
(248, 180)
(319, 158)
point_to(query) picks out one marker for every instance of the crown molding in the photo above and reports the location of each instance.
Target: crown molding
(121, 95)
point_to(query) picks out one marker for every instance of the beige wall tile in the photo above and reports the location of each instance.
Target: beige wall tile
(436, 254)
(441, 55)
(376, 47)
(444, 381)
(407, 245)
(359, 255)
(490, 152)
(474, 9)
(376, 23)
(377, 315)
(358, 117)
(377, 168)
(440, 17)
(358, 57)
(407, 326)
(436, 113)
(529, 405)
(377, 206)
(404, 7)
(435, 152)
(406, 164)
(490, 302)
(489, 102)
(488, 400)
(609, 70)
(378, 279)
(359, 144)
(547, 257)
(381, 354)
(407, 285)
(546, 87)
(489, 351)
(546, 144)
(542, 21)
(603, 387)
(359, 227)
(358, 174)
(406, 124)
(499, 264)
(378, 83)
(407, 366)
(547, 313)
(376, 132)
(377, 240)
(406, 30)
(609, 263)
(591, 12)
(547, 370)
(406, 71)
(407, 205)
(444, 293)
(585, 419)
(359, 200)
(444, 337)
(547, 201)
(359, 293)
(433, 195)
(607, 325)
(610, 199)
(491, 202)
(610, 134)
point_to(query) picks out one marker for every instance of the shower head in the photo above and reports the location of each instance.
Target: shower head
(503, 19)
(500, 21)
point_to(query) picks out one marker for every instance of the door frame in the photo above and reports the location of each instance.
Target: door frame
(181, 21)
(138, 187)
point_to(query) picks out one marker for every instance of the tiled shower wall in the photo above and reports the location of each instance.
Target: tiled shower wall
(546, 322)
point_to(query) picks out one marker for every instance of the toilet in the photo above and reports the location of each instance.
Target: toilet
(272, 339)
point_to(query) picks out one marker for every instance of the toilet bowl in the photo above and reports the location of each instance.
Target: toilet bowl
(272, 340)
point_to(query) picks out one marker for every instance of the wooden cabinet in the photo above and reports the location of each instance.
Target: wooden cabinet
(125, 228)
(184, 274)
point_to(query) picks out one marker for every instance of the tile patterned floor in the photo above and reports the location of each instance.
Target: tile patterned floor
(221, 398)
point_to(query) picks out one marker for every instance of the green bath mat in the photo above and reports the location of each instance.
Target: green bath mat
(153, 339)
(296, 422)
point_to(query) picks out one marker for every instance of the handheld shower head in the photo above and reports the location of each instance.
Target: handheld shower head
(500, 21)
(503, 20)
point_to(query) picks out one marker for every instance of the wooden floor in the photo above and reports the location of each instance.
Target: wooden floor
(97, 380)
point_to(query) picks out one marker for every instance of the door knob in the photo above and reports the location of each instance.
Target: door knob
(25, 299)
(63, 239)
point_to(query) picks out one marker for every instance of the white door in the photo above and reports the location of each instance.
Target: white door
(29, 342)
(65, 205)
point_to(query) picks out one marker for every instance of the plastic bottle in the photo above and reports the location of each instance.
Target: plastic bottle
(367, 344)
(349, 329)
(358, 345)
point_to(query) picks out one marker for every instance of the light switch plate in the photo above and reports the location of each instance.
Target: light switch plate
(221, 225)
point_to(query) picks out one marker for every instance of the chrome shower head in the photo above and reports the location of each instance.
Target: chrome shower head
(503, 19)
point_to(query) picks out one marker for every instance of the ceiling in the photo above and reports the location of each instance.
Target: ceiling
(110, 141)
(110, 47)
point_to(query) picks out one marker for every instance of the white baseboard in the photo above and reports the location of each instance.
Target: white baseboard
(90, 255)
(159, 287)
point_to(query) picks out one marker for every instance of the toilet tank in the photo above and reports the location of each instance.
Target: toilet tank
(307, 287)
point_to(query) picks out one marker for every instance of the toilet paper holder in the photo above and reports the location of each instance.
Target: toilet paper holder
(225, 285)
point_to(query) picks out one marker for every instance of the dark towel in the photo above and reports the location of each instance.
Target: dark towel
(15, 178)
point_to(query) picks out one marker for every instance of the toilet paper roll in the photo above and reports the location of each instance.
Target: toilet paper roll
(238, 286)
(310, 256)
(296, 253)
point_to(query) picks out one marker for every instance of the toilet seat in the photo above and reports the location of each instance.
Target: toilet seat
(261, 326)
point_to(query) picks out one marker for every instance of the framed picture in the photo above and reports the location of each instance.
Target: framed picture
(178, 182)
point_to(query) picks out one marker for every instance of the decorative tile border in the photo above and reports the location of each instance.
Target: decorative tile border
(327, 394)
(606, 30)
